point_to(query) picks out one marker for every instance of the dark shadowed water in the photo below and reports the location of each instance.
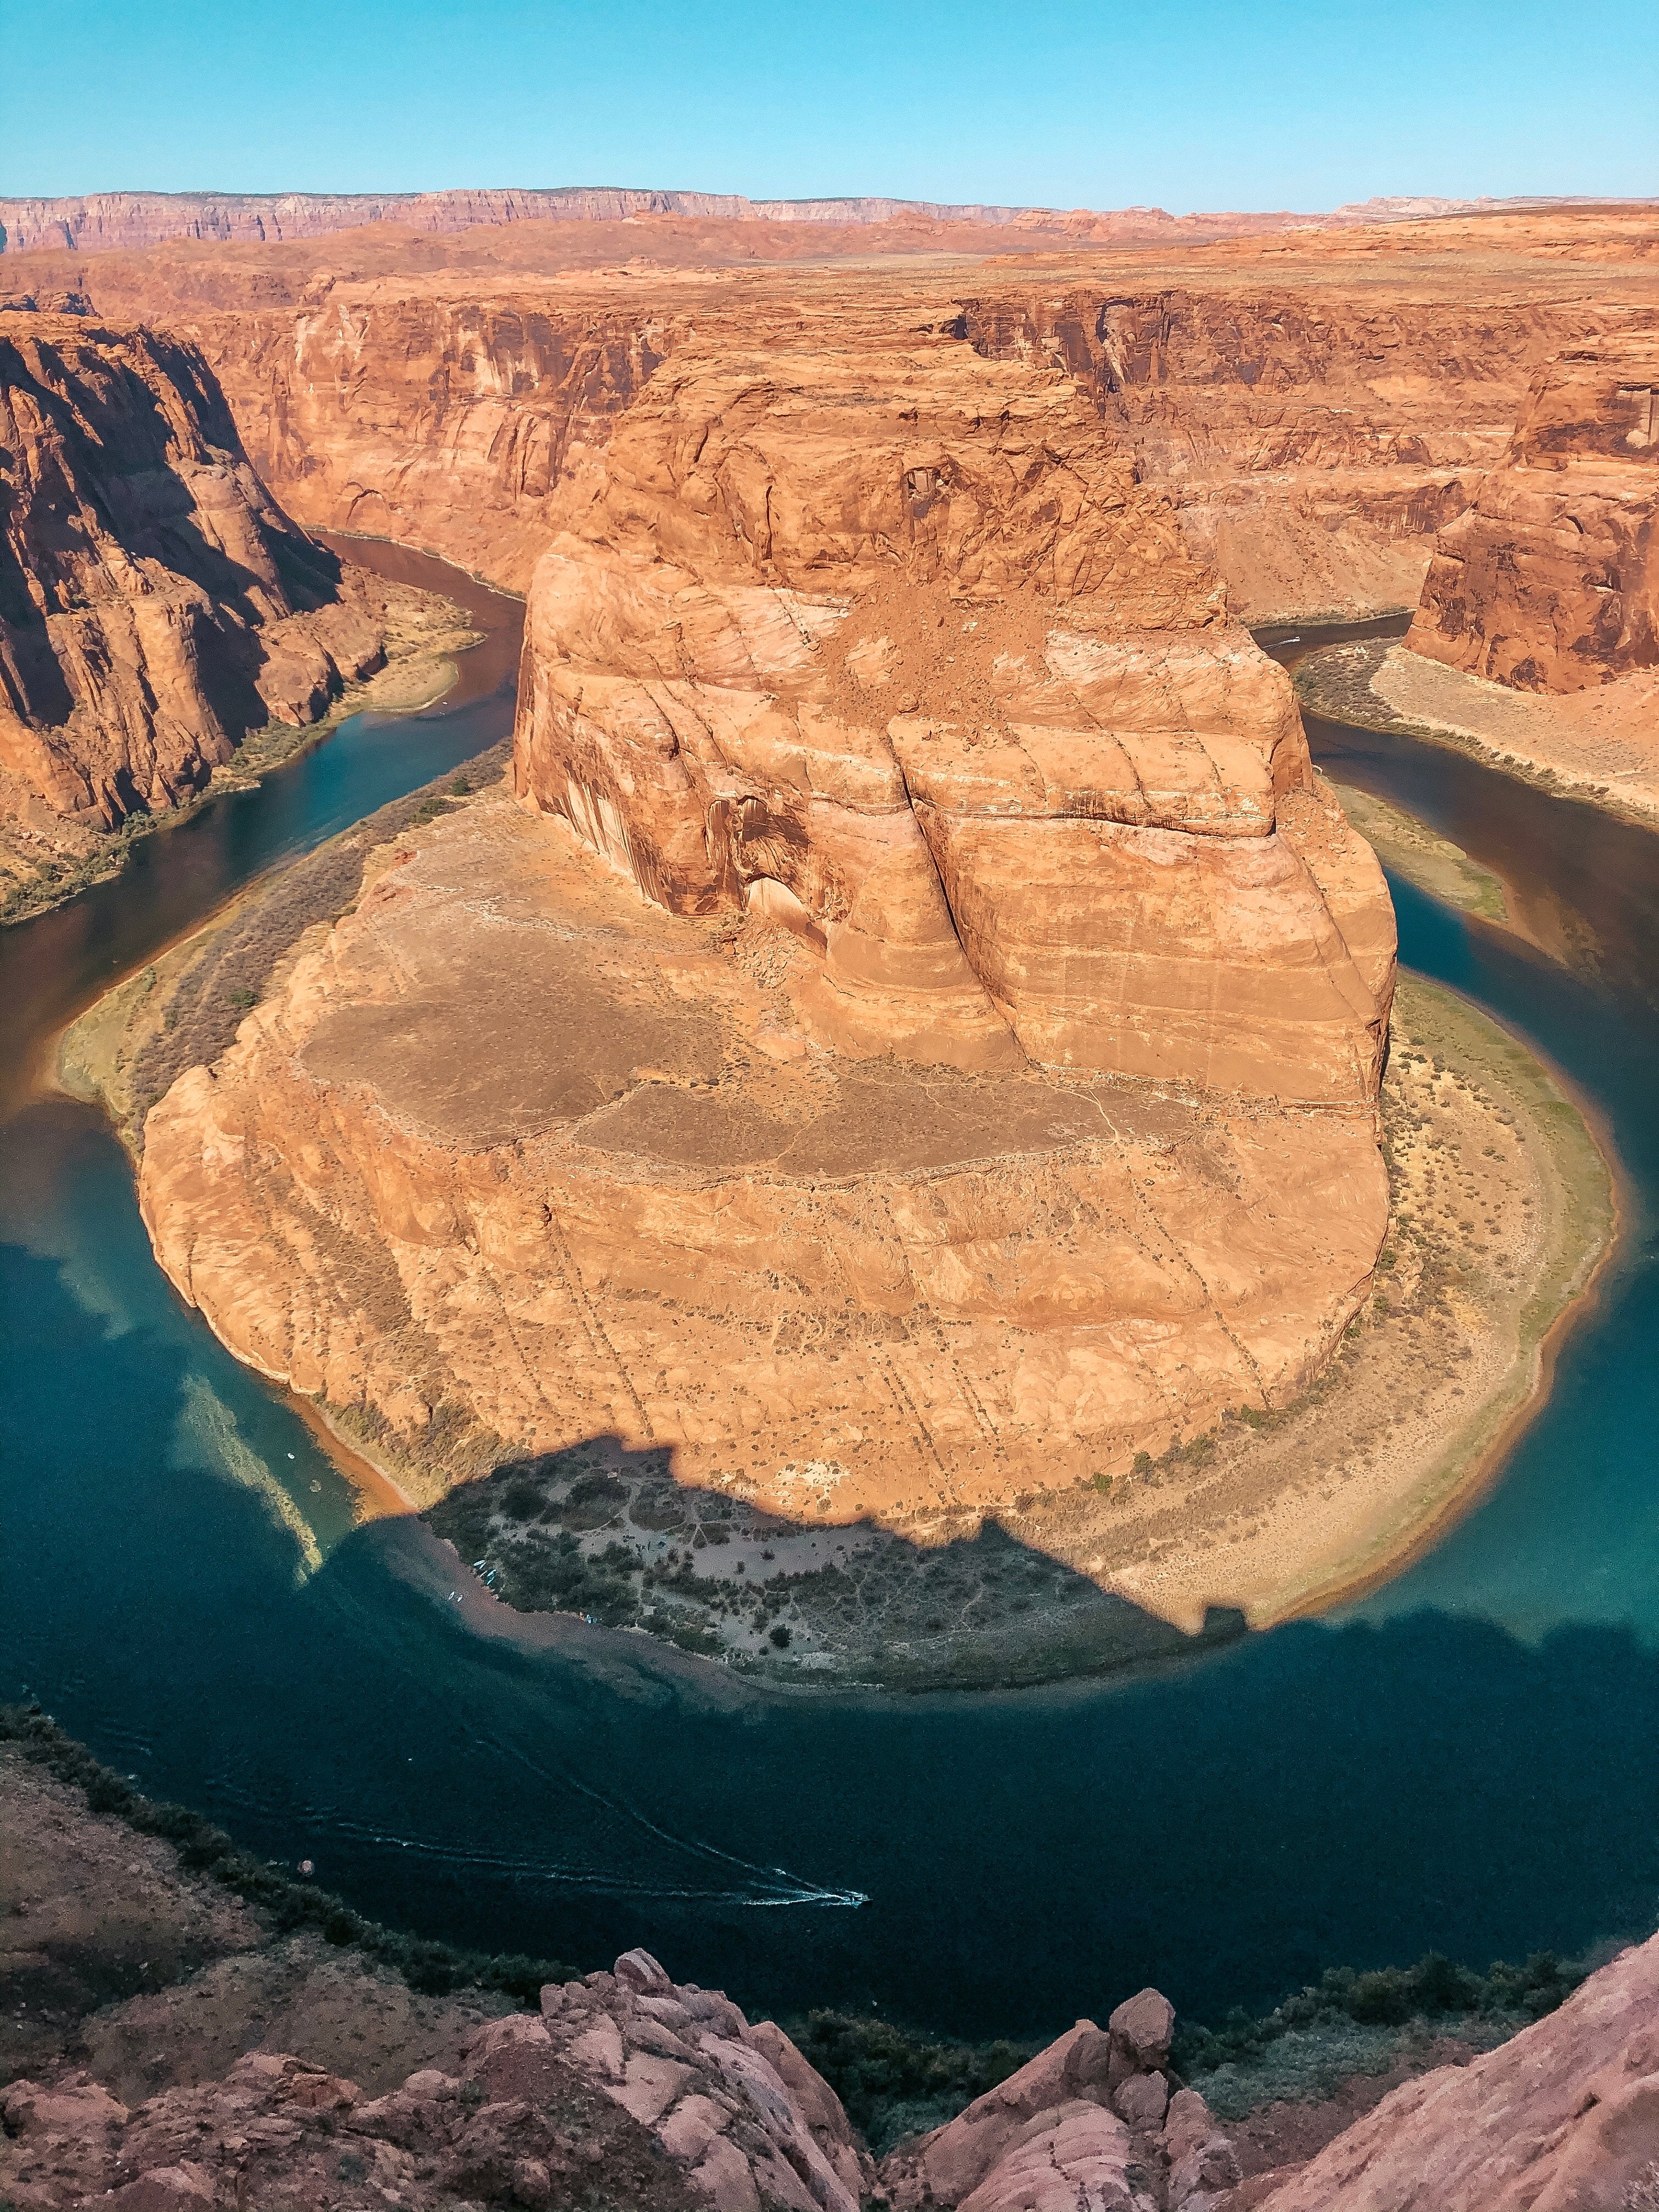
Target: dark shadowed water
(1465, 1761)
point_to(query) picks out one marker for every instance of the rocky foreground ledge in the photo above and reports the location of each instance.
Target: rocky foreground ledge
(629, 2090)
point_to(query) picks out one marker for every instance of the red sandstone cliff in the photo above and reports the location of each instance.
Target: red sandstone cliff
(1550, 582)
(1314, 418)
(155, 604)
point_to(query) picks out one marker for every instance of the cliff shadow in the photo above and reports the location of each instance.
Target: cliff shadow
(608, 1533)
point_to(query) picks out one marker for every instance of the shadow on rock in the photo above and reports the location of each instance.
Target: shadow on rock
(608, 1533)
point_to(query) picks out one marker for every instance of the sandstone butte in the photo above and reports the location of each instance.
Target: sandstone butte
(684, 2103)
(925, 1037)
(156, 603)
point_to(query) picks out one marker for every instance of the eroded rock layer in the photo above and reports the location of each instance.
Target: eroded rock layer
(1316, 406)
(883, 638)
(155, 604)
(1550, 582)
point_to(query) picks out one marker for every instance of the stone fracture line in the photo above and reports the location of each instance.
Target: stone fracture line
(1243, 1349)
(598, 1341)
(908, 1410)
(531, 1373)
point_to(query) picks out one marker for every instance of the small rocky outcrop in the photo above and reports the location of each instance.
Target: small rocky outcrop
(627, 2089)
(1093, 2123)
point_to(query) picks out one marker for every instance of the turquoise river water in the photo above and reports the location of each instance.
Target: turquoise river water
(1464, 1760)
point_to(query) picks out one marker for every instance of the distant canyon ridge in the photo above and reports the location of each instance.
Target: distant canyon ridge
(96, 223)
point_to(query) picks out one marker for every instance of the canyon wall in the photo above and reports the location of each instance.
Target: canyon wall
(1550, 582)
(156, 603)
(110, 221)
(1311, 449)
(427, 412)
(100, 222)
(1315, 418)
(1314, 438)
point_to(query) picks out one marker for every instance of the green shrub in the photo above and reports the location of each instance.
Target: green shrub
(875, 2067)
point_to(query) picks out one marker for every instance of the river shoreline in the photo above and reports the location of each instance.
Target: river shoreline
(1546, 740)
(420, 669)
(1227, 1532)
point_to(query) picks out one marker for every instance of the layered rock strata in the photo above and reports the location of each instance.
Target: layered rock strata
(1313, 439)
(442, 414)
(929, 1039)
(884, 642)
(155, 604)
(514, 1150)
(1550, 582)
(98, 222)
(1313, 425)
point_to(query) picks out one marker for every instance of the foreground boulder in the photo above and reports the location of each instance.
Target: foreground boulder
(1563, 2118)
(627, 2090)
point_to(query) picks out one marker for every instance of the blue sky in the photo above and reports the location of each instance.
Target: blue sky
(1209, 105)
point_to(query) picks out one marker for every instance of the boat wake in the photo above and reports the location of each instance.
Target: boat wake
(728, 1879)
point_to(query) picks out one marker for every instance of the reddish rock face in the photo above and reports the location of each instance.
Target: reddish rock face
(440, 413)
(1549, 582)
(928, 1032)
(1311, 438)
(154, 602)
(1563, 2118)
(859, 628)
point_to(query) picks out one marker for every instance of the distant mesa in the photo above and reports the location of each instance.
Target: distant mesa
(95, 222)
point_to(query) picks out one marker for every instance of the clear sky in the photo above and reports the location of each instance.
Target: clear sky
(1212, 104)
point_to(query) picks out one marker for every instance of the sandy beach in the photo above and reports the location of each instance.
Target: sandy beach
(1598, 744)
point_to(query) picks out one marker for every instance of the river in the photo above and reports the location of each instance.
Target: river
(1462, 1760)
